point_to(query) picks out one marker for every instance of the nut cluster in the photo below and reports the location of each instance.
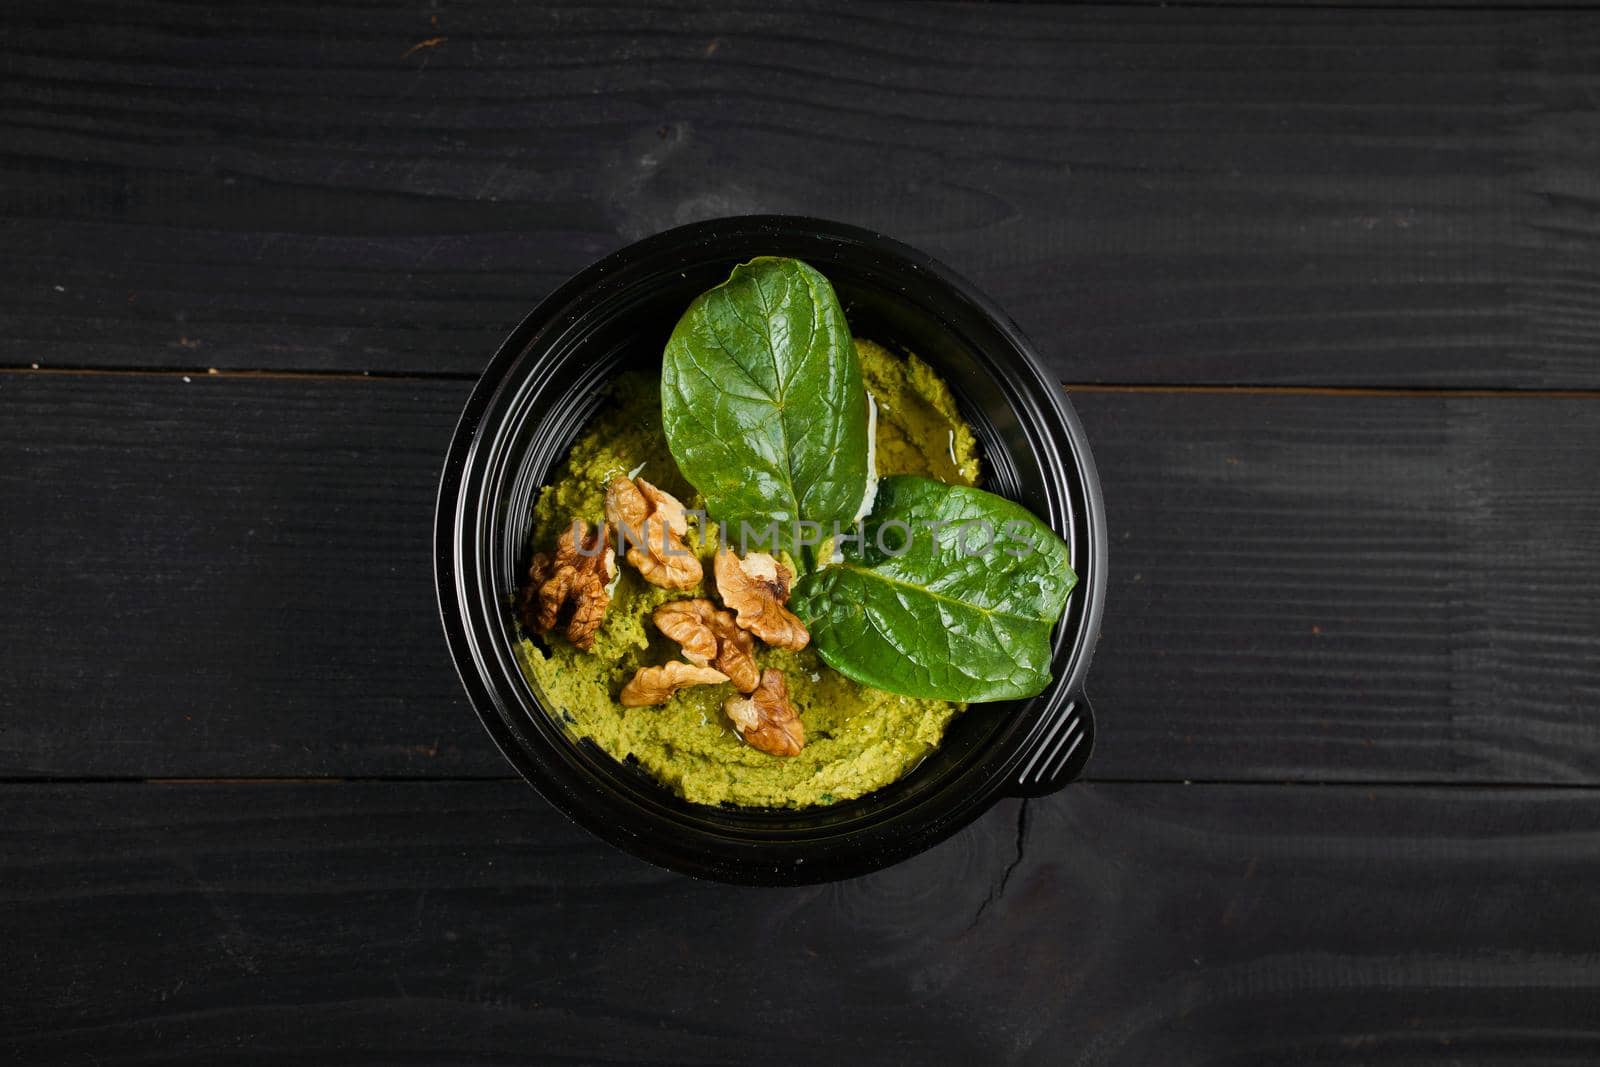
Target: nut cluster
(721, 645)
(571, 590)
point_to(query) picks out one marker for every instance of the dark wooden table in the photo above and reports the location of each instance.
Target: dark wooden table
(1322, 283)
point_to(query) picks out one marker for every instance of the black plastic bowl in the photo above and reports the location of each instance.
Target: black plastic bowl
(547, 380)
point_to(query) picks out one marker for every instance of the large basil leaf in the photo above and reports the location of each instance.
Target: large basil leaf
(762, 401)
(958, 610)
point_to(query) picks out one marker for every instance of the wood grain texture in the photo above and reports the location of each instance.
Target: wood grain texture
(421, 923)
(1371, 587)
(1186, 195)
(225, 577)
(231, 576)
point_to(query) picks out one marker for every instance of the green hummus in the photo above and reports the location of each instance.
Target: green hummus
(857, 739)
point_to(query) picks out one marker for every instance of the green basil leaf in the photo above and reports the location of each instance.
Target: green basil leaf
(958, 610)
(762, 401)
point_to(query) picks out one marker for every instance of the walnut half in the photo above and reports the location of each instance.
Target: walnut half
(766, 720)
(651, 525)
(757, 588)
(710, 636)
(656, 685)
(570, 584)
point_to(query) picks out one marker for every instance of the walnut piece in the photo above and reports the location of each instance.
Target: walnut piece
(651, 525)
(572, 584)
(710, 636)
(655, 685)
(766, 720)
(757, 588)
(688, 622)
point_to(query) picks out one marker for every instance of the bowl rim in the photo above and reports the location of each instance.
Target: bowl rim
(452, 519)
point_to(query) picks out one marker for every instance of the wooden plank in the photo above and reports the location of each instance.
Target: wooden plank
(1187, 195)
(466, 922)
(231, 576)
(1350, 587)
(226, 577)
